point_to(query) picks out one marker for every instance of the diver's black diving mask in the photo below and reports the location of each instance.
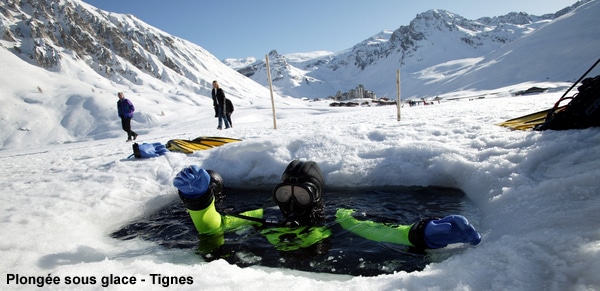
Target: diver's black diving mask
(301, 194)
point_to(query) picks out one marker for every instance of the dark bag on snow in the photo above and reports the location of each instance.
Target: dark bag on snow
(582, 111)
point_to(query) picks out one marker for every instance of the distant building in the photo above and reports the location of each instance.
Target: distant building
(358, 93)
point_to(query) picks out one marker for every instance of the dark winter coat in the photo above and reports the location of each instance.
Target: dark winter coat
(228, 106)
(125, 108)
(218, 97)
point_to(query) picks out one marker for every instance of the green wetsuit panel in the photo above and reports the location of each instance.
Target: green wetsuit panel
(373, 230)
(290, 239)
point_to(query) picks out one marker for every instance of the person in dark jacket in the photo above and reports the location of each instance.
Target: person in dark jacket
(228, 110)
(125, 109)
(219, 103)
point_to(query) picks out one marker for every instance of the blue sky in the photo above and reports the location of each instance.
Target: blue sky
(243, 28)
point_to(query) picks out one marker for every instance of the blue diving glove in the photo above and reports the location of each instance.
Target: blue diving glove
(192, 181)
(160, 148)
(448, 230)
(153, 150)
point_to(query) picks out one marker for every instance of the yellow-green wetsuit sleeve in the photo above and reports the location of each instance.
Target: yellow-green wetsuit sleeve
(373, 230)
(209, 221)
(232, 222)
(211, 225)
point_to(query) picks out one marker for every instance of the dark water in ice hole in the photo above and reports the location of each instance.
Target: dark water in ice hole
(341, 253)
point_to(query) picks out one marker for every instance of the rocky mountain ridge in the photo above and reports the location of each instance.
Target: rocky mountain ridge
(433, 37)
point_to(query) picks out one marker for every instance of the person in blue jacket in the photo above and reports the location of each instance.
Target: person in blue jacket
(299, 196)
(125, 110)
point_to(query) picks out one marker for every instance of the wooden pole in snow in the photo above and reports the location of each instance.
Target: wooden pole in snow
(398, 99)
(271, 88)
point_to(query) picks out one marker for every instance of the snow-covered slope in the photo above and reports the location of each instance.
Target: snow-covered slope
(441, 52)
(557, 52)
(91, 55)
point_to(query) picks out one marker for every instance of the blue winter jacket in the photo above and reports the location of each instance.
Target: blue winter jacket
(125, 108)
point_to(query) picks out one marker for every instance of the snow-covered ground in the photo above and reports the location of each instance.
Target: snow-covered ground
(537, 192)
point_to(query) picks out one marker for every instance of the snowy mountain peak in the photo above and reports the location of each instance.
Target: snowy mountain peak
(434, 37)
(113, 45)
(118, 47)
(239, 63)
(437, 17)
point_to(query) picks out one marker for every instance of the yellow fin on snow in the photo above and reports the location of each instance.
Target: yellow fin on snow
(198, 144)
(528, 121)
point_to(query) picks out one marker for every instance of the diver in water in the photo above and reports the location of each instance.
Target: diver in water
(299, 196)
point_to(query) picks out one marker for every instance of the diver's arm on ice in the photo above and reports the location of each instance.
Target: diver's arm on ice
(429, 233)
(373, 230)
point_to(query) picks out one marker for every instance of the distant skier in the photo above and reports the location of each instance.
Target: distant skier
(125, 109)
(299, 197)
